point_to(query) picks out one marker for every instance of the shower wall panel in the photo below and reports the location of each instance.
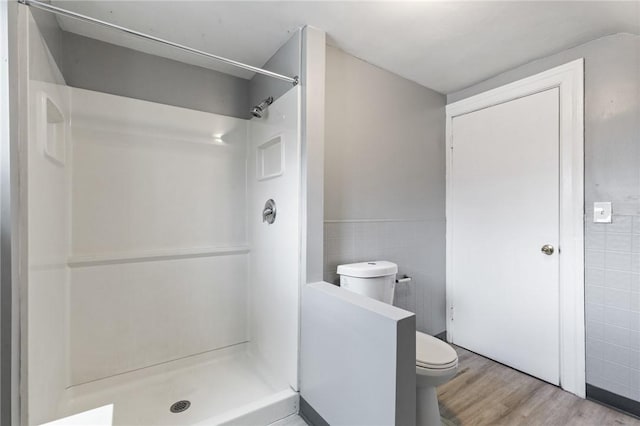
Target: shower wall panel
(274, 173)
(126, 316)
(159, 244)
(150, 177)
(48, 230)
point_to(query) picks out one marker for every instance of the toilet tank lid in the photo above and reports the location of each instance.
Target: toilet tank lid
(378, 268)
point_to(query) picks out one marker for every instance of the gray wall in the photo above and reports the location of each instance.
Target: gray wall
(313, 80)
(103, 67)
(612, 173)
(95, 65)
(91, 64)
(358, 358)
(385, 180)
(285, 61)
(50, 30)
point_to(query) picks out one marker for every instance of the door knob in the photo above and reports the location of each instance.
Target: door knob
(547, 249)
(269, 212)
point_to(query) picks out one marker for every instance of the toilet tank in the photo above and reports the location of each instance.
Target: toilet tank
(373, 279)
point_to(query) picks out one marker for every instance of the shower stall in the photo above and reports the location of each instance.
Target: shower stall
(163, 256)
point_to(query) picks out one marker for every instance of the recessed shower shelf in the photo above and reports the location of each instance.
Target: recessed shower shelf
(153, 255)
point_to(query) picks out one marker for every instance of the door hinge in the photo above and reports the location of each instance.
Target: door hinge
(451, 312)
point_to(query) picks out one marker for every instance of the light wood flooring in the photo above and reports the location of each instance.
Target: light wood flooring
(485, 392)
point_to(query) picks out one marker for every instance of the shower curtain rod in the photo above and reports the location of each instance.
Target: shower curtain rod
(64, 12)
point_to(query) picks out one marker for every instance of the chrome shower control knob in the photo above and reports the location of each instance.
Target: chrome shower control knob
(547, 249)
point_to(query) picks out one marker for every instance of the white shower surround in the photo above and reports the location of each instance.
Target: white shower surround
(139, 289)
(147, 179)
(274, 272)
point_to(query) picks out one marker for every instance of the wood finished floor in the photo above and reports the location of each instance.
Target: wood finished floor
(487, 393)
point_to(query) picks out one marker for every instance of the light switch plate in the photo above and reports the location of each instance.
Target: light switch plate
(602, 212)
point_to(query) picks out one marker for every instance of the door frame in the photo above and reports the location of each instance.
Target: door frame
(569, 79)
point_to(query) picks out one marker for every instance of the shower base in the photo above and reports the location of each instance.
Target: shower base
(223, 387)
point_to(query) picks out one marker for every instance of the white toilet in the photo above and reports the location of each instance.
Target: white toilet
(436, 361)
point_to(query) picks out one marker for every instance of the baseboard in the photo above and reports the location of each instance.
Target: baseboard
(613, 400)
(442, 336)
(310, 415)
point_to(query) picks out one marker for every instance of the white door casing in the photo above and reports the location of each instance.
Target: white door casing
(568, 81)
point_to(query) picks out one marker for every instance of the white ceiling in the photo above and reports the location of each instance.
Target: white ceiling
(442, 45)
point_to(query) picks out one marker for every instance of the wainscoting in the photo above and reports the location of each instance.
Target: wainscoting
(612, 282)
(416, 246)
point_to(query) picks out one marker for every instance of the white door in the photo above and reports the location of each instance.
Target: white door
(504, 183)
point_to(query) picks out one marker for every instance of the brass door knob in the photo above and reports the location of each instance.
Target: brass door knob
(547, 249)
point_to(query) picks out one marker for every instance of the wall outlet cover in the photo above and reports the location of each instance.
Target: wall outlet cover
(602, 212)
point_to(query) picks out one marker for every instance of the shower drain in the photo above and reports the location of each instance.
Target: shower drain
(180, 406)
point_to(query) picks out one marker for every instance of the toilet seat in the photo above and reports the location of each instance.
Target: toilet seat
(433, 353)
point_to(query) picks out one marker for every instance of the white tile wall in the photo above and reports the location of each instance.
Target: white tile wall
(612, 282)
(416, 246)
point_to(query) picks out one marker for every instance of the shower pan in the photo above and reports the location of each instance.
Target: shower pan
(154, 286)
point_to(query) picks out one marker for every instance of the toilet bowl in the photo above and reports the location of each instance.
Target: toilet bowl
(436, 361)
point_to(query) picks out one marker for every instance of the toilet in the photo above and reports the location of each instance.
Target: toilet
(436, 361)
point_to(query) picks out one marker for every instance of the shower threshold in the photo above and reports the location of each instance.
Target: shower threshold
(223, 387)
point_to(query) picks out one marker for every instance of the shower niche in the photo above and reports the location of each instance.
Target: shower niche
(52, 129)
(154, 287)
(271, 158)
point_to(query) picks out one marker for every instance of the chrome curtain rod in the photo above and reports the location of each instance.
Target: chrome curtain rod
(64, 12)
